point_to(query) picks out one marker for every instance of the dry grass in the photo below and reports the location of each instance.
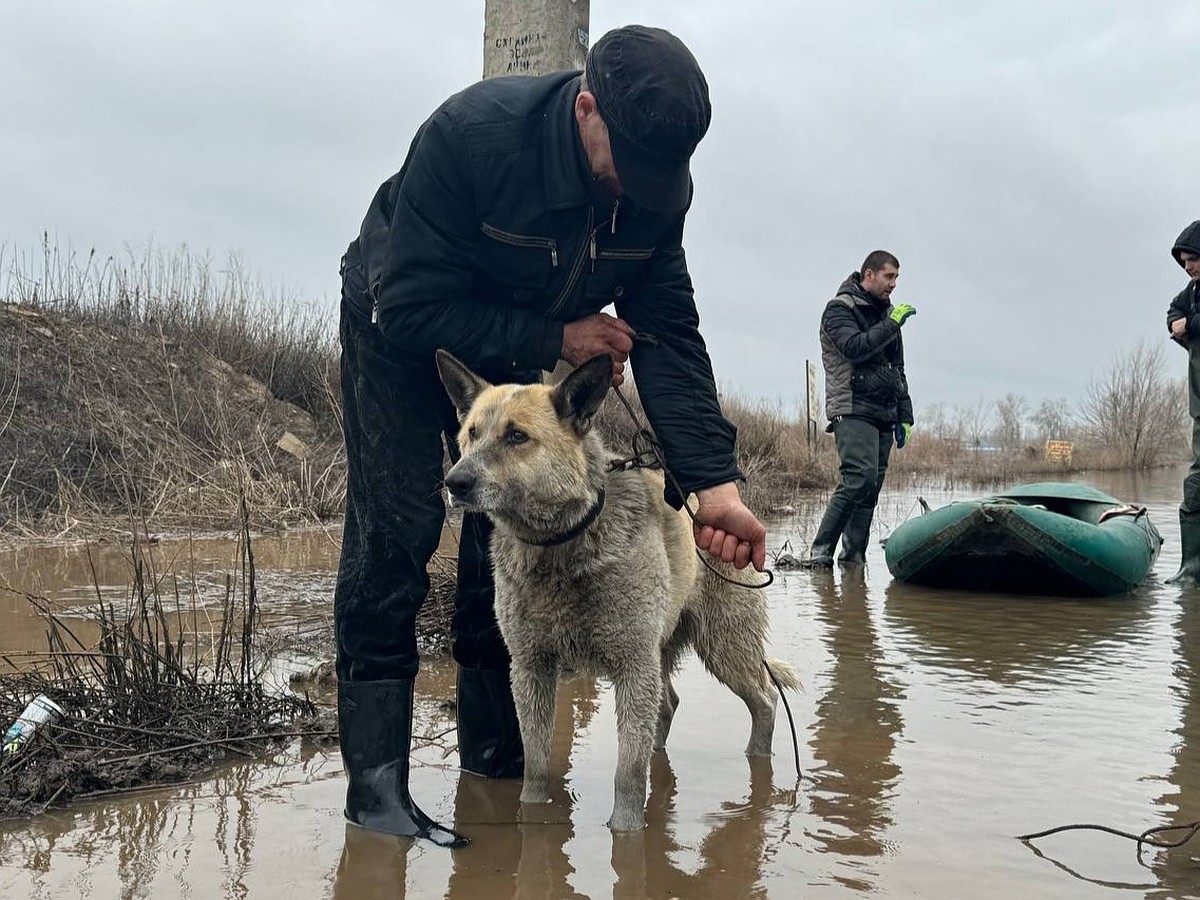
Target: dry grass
(157, 386)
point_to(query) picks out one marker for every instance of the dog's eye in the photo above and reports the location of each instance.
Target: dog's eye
(471, 433)
(516, 436)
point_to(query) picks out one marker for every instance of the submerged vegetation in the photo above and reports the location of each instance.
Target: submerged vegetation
(153, 691)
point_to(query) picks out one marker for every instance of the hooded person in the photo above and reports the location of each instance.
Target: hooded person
(1183, 324)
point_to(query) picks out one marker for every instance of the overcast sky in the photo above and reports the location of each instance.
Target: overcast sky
(1030, 163)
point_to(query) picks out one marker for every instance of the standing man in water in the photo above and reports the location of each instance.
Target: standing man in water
(866, 401)
(1183, 322)
(526, 206)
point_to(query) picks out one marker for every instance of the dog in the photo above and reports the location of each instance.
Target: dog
(595, 571)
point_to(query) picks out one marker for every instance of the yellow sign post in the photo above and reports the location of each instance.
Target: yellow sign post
(1059, 452)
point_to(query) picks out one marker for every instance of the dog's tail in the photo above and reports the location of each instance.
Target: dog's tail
(782, 674)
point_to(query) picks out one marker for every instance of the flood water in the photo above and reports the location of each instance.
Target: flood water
(933, 727)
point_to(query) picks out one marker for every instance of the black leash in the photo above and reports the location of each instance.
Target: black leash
(1149, 837)
(647, 454)
(791, 722)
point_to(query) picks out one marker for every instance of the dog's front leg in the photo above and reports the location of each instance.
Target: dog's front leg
(638, 689)
(533, 686)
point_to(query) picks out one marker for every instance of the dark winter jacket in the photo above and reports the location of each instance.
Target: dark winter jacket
(863, 355)
(494, 234)
(1187, 306)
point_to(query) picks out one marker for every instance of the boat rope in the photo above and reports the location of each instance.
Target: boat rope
(1151, 837)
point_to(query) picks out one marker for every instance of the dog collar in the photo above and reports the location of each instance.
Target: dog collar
(575, 530)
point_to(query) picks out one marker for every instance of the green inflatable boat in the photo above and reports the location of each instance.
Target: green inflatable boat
(1048, 538)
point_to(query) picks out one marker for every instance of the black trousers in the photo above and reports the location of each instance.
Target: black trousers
(396, 416)
(1191, 482)
(864, 450)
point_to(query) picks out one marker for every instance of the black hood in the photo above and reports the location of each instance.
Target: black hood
(853, 286)
(1189, 241)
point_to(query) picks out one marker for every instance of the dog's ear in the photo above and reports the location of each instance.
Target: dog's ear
(580, 394)
(463, 385)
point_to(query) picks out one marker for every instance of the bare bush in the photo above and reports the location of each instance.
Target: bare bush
(1134, 411)
(157, 385)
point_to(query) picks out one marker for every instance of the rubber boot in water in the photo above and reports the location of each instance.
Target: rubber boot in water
(837, 514)
(489, 737)
(856, 536)
(1189, 539)
(375, 721)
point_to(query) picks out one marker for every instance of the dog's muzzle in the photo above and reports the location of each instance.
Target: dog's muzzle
(461, 484)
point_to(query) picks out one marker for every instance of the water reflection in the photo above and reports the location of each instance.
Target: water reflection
(373, 866)
(1179, 869)
(205, 839)
(857, 725)
(1012, 639)
(534, 852)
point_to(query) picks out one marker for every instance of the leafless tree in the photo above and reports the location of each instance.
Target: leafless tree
(1135, 409)
(973, 420)
(1053, 419)
(938, 422)
(1010, 411)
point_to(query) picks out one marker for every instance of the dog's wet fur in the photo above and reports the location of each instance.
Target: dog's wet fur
(623, 599)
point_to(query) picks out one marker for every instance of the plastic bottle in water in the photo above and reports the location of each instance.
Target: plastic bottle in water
(41, 711)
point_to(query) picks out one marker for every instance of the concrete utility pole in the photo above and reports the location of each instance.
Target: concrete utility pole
(534, 37)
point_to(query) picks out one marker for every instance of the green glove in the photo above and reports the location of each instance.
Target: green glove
(903, 431)
(901, 311)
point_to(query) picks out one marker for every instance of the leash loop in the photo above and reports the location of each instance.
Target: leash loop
(648, 454)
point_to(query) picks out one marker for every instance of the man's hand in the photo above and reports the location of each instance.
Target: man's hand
(903, 431)
(595, 334)
(1179, 332)
(901, 311)
(727, 529)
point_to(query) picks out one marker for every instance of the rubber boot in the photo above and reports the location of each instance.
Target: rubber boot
(837, 514)
(375, 721)
(856, 536)
(1189, 539)
(489, 737)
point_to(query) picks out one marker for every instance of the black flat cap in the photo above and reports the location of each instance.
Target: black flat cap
(653, 97)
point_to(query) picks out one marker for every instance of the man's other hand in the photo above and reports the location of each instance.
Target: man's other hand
(595, 334)
(726, 529)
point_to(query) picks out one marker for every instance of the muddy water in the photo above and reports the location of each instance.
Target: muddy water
(932, 728)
